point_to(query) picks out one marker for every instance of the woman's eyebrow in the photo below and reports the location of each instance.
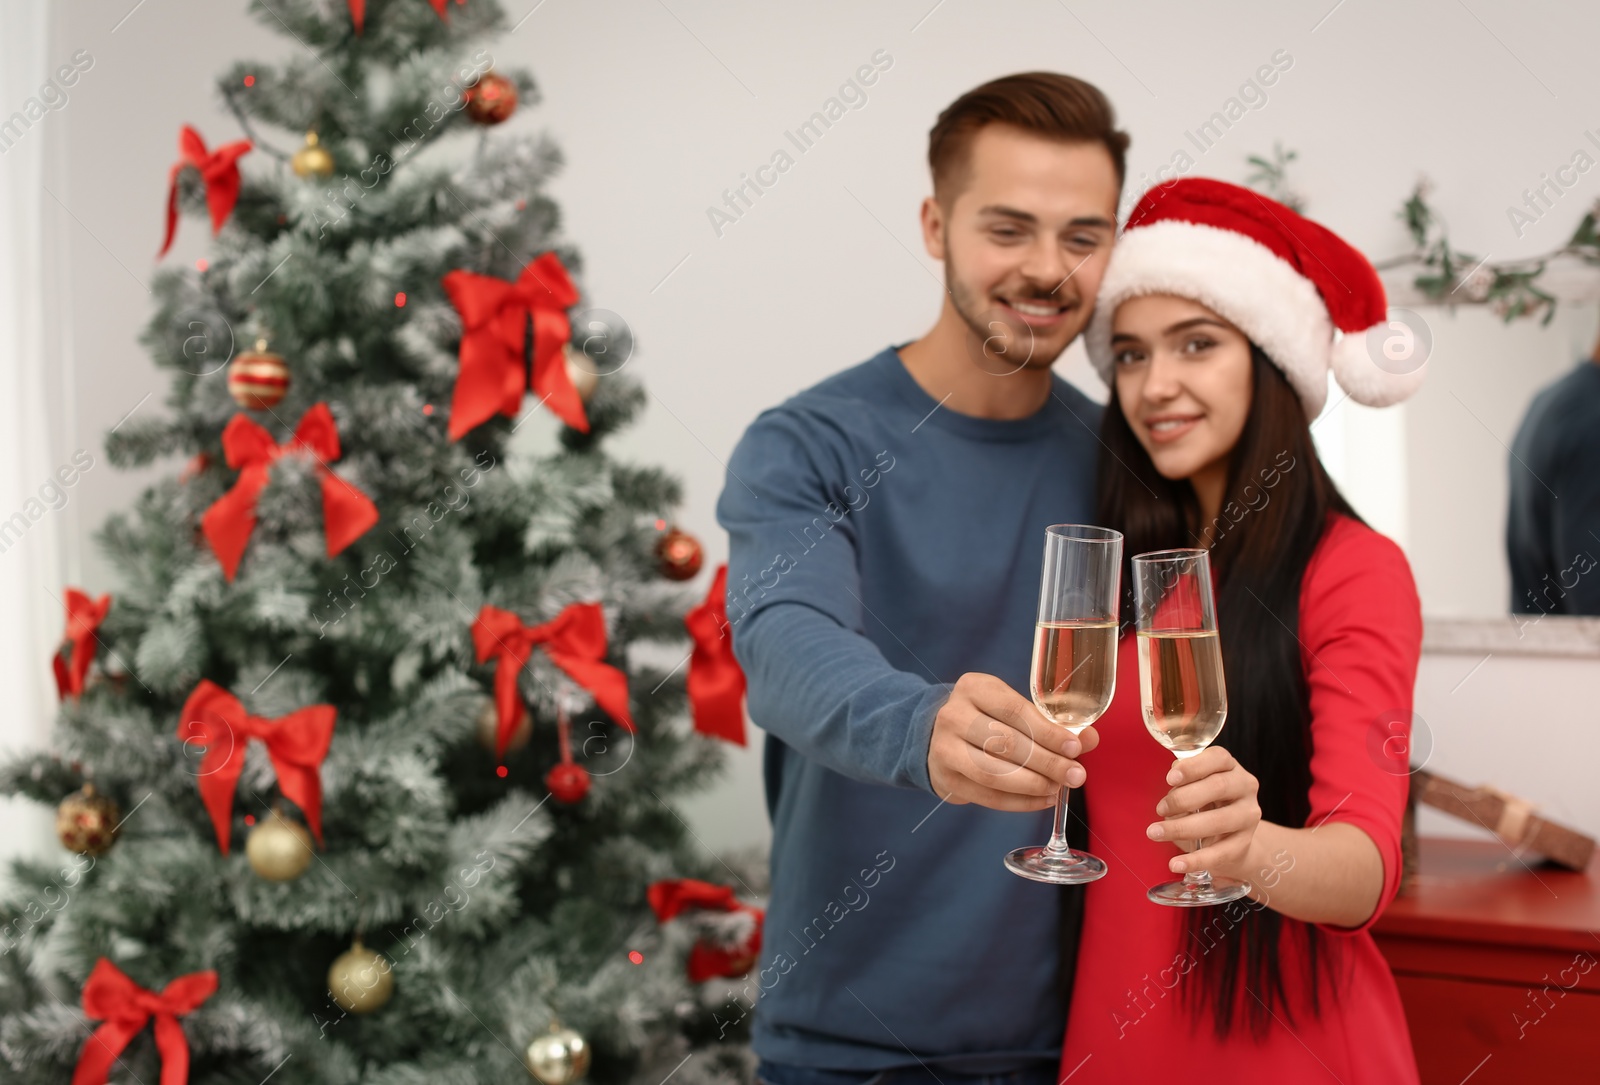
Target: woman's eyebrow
(1191, 322)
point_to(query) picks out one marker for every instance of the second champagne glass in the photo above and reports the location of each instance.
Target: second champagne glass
(1074, 669)
(1181, 688)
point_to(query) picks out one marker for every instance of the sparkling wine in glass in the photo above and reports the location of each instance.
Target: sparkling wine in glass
(1074, 669)
(1181, 688)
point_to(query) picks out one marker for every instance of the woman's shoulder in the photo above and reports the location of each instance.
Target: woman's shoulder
(1352, 561)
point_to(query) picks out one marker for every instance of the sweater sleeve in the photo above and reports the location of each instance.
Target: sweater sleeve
(814, 679)
(1361, 634)
(1528, 519)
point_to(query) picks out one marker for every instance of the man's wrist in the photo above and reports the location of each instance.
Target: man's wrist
(920, 738)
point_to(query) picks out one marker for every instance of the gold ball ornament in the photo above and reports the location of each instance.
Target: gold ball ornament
(558, 1057)
(258, 379)
(312, 160)
(278, 848)
(581, 371)
(86, 822)
(489, 726)
(679, 555)
(491, 99)
(360, 980)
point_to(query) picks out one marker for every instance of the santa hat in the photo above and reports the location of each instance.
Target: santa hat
(1284, 281)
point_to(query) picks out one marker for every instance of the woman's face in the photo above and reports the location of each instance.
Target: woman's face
(1183, 379)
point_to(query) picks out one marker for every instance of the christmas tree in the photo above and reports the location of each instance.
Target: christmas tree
(380, 769)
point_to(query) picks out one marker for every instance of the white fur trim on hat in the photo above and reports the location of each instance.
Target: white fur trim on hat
(1240, 280)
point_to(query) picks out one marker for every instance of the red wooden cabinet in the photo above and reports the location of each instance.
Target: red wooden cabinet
(1498, 962)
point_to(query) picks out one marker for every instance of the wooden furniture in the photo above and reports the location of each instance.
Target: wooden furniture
(1498, 961)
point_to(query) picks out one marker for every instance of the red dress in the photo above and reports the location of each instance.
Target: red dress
(1361, 633)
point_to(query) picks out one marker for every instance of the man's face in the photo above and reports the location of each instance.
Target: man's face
(1025, 243)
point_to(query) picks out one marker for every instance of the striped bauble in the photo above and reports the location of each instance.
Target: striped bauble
(258, 378)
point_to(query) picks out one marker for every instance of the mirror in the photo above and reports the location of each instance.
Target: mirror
(1436, 473)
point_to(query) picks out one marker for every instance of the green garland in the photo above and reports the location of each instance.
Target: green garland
(1271, 176)
(1510, 287)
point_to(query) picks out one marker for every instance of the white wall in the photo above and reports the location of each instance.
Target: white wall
(659, 107)
(1514, 722)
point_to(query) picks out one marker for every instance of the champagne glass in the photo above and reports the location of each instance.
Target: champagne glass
(1074, 669)
(1181, 689)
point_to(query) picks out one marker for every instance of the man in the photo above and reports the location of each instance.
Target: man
(1552, 545)
(886, 534)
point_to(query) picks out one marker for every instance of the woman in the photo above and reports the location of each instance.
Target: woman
(1215, 330)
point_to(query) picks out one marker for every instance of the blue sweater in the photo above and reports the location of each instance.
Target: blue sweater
(880, 546)
(1551, 544)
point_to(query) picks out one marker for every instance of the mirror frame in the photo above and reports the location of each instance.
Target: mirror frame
(1513, 634)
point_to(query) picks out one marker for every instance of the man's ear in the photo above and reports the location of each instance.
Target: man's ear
(933, 227)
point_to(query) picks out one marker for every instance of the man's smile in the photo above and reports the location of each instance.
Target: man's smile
(1036, 313)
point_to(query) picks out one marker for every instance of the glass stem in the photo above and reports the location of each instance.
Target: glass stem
(1197, 879)
(1058, 830)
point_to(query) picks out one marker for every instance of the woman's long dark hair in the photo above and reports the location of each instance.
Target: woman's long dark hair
(1275, 506)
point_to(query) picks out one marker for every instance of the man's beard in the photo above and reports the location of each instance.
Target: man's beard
(1010, 347)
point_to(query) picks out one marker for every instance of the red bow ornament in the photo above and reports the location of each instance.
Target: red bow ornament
(358, 11)
(296, 743)
(494, 330)
(125, 1007)
(575, 641)
(346, 512)
(219, 169)
(716, 682)
(84, 616)
(711, 956)
(669, 898)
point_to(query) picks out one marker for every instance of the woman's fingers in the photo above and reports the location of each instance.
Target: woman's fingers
(1221, 788)
(1212, 802)
(1235, 817)
(1221, 854)
(1212, 759)
(1227, 781)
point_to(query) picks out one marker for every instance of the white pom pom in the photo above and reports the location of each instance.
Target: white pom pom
(1355, 367)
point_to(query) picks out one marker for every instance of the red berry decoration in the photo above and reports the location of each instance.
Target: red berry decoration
(679, 555)
(569, 783)
(491, 99)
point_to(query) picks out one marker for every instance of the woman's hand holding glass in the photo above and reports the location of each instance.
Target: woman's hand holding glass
(1212, 799)
(1184, 699)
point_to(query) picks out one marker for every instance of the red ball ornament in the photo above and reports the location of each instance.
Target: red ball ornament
(678, 555)
(569, 783)
(491, 99)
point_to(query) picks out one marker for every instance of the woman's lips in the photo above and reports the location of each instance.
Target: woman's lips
(1164, 430)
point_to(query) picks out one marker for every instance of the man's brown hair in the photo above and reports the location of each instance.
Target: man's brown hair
(1047, 104)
